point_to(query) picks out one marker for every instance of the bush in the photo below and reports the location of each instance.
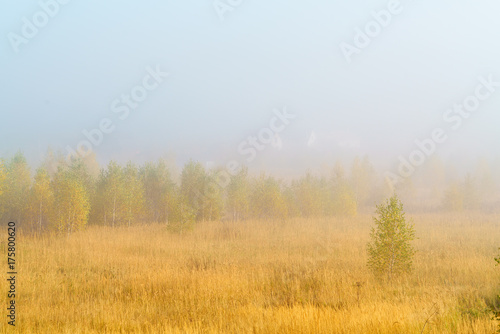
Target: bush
(390, 252)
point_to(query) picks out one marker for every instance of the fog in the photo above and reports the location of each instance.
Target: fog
(232, 166)
(359, 78)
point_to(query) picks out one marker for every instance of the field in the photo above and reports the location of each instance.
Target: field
(294, 276)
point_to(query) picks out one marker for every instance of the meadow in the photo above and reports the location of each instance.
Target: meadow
(291, 276)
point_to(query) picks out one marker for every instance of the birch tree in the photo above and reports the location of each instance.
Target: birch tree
(238, 195)
(18, 183)
(390, 250)
(71, 203)
(42, 199)
(133, 193)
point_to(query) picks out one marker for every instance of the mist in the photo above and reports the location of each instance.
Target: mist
(352, 94)
(231, 166)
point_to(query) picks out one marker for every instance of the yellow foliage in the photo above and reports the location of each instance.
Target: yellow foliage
(71, 204)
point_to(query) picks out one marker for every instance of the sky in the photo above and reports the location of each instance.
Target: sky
(199, 79)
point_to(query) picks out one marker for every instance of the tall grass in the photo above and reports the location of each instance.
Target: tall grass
(296, 276)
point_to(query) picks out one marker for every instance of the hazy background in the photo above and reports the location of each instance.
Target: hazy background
(227, 76)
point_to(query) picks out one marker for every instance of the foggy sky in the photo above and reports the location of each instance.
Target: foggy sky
(226, 79)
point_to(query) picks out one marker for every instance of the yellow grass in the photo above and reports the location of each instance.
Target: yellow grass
(255, 277)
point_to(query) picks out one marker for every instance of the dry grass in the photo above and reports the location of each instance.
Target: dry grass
(256, 277)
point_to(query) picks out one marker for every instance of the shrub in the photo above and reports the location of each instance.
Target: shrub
(390, 251)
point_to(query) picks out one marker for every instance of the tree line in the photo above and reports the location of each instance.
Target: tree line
(65, 196)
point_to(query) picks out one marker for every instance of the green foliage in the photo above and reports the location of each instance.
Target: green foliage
(41, 200)
(193, 187)
(120, 195)
(343, 198)
(212, 196)
(18, 183)
(113, 190)
(160, 192)
(238, 193)
(133, 194)
(310, 194)
(267, 198)
(80, 169)
(71, 202)
(390, 252)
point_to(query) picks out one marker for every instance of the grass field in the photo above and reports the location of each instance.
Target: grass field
(296, 276)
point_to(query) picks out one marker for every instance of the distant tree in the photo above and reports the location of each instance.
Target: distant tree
(91, 165)
(311, 195)
(267, 198)
(114, 194)
(18, 183)
(71, 202)
(213, 196)
(161, 194)
(170, 201)
(41, 199)
(238, 195)
(193, 188)
(133, 193)
(344, 203)
(454, 198)
(289, 197)
(362, 179)
(470, 193)
(99, 201)
(390, 250)
(52, 161)
(462, 196)
(343, 199)
(84, 170)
